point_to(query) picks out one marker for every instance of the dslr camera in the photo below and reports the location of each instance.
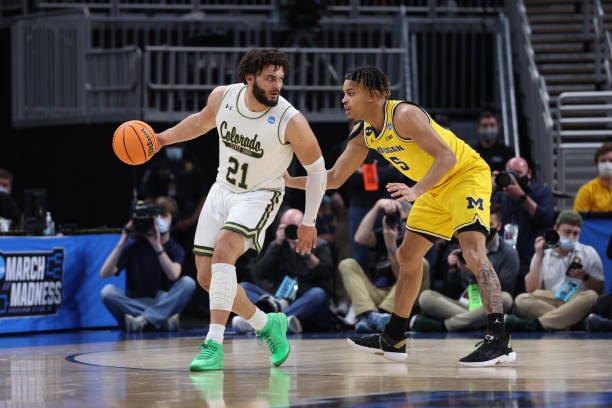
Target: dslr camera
(392, 220)
(291, 231)
(552, 238)
(504, 178)
(143, 216)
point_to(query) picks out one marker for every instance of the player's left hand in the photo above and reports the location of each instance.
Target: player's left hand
(401, 192)
(307, 239)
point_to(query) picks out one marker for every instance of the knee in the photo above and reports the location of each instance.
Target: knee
(318, 296)
(521, 299)
(506, 301)
(347, 266)
(107, 292)
(187, 283)
(425, 299)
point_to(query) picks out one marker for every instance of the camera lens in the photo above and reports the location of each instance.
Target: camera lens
(503, 179)
(291, 231)
(552, 238)
(392, 220)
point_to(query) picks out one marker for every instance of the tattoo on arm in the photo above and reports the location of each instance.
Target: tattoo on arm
(490, 289)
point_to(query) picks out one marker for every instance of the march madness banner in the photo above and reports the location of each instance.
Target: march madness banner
(31, 283)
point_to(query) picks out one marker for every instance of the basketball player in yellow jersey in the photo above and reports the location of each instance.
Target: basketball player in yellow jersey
(451, 197)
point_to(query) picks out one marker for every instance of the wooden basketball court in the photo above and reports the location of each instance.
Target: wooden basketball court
(112, 369)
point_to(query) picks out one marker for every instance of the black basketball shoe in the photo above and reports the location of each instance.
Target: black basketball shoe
(381, 344)
(489, 352)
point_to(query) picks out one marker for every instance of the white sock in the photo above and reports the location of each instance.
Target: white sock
(259, 320)
(215, 333)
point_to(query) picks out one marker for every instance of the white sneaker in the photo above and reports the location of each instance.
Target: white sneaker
(173, 323)
(294, 325)
(240, 325)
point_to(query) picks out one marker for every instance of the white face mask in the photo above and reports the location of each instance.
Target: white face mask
(605, 169)
(163, 224)
(4, 190)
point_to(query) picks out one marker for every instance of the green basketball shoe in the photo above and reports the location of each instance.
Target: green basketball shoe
(275, 336)
(210, 357)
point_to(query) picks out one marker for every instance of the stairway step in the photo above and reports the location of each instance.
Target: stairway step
(587, 57)
(559, 47)
(566, 68)
(556, 89)
(570, 79)
(560, 37)
(556, 28)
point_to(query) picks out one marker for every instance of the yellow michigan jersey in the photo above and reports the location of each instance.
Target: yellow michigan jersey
(460, 198)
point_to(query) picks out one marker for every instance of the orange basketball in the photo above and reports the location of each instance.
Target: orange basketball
(134, 142)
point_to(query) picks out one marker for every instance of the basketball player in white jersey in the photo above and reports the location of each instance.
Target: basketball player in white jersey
(259, 131)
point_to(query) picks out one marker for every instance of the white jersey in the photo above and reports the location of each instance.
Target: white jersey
(253, 154)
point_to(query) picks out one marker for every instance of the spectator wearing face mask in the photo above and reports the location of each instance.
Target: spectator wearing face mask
(526, 204)
(494, 152)
(155, 293)
(563, 283)
(177, 173)
(596, 195)
(9, 210)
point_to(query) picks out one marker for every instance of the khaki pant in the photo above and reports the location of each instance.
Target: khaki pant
(552, 313)
(364, 296)
(456, 316)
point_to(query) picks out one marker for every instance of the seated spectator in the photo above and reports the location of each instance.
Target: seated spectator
(563, 283)
(453, 310)
(601, 319)
(492, 150)
(596, 195)
(372, 294)
(527, 204)
(308, 279)
(9, 209)
(155, 293)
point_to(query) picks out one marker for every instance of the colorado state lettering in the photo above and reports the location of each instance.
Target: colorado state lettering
(240, 143)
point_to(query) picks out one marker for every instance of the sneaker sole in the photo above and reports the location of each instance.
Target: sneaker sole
(506, 358)
(195, 368)
(389, 355)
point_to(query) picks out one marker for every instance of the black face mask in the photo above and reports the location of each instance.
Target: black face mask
(491, 236)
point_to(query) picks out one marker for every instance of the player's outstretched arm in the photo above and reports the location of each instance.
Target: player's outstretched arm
(195, 124)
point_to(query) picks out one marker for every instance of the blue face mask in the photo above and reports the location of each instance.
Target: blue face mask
(567, 244)
(163, 225)
(174, 153)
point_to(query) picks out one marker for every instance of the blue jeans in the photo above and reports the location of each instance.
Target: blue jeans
(313, 303)
(156, 310)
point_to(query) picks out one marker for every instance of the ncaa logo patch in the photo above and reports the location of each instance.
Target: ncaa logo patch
(271, 120)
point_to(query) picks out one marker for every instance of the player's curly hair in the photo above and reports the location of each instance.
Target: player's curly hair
(255, 60)
(370, 77)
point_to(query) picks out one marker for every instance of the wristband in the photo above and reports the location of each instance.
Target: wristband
(160, 252)
(523, 198)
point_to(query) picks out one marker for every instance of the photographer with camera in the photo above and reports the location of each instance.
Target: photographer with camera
(155, 293)
(372, 293)
(458, 306)
(527, 205)
(564, 280)
(287, 281)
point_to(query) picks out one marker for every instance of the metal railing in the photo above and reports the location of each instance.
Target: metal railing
(175, 76)
(584, 122)
(538, 117)
(178, 79)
